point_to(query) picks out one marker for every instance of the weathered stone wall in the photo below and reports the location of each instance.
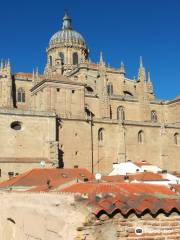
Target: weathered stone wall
(33, 141)
(161, 227)
(39, 216)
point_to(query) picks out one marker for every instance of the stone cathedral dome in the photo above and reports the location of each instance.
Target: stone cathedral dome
(67, 35)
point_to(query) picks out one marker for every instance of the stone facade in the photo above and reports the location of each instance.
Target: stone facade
(97, 115)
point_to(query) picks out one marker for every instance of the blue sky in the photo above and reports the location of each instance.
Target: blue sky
(122, 30)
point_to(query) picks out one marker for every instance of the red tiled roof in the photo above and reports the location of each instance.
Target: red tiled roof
(145, 176)
(126, 197)
(54, 184)
(140, 164)
(115, 178)
(176, 187)
(39, 177)
(125, 188)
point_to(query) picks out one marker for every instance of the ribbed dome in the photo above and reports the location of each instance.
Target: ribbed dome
(67, 35)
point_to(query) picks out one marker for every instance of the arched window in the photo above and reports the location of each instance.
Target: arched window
(61, 55)
(110, 89)
(75, 58)
(101, 135)
(154, 116)
(21, 95)
(120, 113)
(50, 61)
(141, 137)
(176, 138)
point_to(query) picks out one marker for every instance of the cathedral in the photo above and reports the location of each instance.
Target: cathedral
(83, 114)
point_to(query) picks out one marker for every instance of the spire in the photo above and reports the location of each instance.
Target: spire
(66, 21)
(37, 72)
(101, 61)
(141, 62)
(122, 69)
(142, 73)
(149, 77)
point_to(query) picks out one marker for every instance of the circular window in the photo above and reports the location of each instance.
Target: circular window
(16, 125)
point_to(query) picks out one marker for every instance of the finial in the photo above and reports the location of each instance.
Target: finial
(33, 74)
(101, 57)
(8, 63)
(101, 61)
(66, 21)
(141, 62)
(122, 69)
(37, 72)
(149, 77)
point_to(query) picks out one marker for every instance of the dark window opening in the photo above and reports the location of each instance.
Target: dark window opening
(61, 55)
(75, 58)
(120, 113)
(176, 138)
(154, 116)
(110, 89)
(141, 137)
(21, 95)
(101, 135)
(16, 125)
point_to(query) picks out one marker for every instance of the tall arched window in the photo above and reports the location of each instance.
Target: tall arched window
(61, 55)
(120, 113)
(154, 116)
(21, 95)
(101, 135)
(75, 58)
(50, 61)
(141, 137)
(176, 138)
(110, 89)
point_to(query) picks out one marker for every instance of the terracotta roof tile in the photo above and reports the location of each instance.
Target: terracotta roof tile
(145, 176)
(39, 177)
(127, 198)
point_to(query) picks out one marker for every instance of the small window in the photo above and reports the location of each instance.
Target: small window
(73, 91)
(154, 116)
(110, 89)
(61, 55)
(101, 135)
(75, 58)
(176, 138)
(141, 137)
(16, 125)
(57, 89)
(21, 95)
(120, 113)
